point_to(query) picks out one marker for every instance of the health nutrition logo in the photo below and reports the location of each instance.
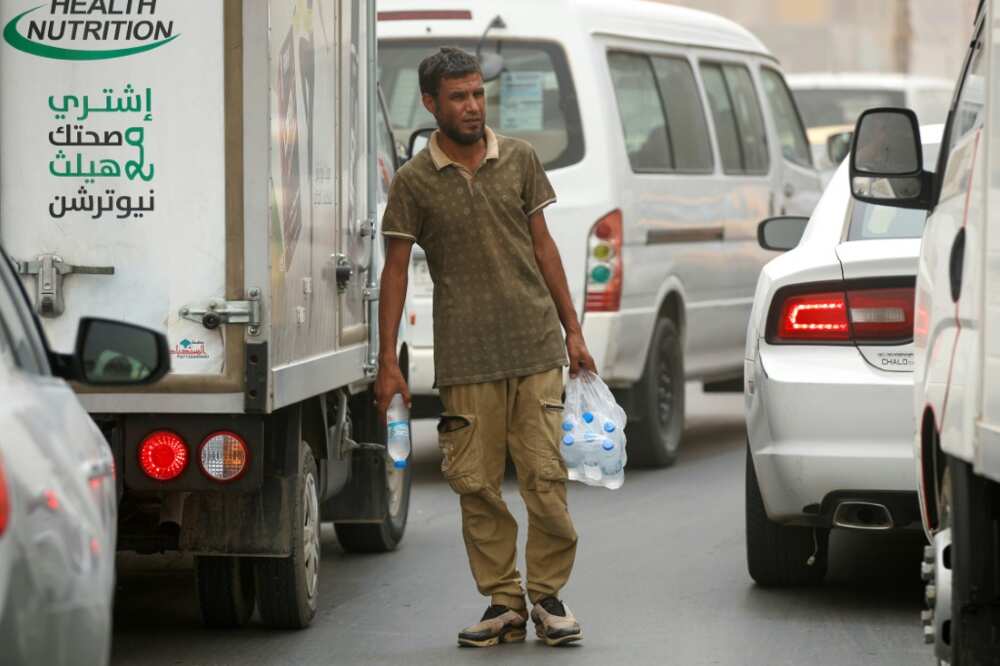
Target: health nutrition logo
(22, 43)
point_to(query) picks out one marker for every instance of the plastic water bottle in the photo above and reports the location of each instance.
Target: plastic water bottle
(612, 473)
(571, 451)
(398, 427)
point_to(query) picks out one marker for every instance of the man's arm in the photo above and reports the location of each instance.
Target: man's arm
(392, 295)
(549, 262)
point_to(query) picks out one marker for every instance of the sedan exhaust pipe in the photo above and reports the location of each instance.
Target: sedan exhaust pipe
(861, 515)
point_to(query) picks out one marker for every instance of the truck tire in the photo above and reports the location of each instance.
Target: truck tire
(225, 590)
(385, 535)
(778, 555)
(287, 587)
(655, 437)
(974, 517)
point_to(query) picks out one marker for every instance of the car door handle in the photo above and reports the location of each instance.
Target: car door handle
(955, 264)
(789, 190)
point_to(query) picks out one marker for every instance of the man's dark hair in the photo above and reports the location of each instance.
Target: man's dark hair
(448, 63)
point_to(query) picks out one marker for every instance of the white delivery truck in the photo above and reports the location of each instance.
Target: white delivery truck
(209, 169)
(956, 339)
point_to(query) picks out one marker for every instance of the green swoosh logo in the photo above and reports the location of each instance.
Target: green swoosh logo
(22, 43)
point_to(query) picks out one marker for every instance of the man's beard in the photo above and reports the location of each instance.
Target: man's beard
(460, 137)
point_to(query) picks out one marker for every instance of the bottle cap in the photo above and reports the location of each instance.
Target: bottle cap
(588, 417)
(568, 440)
(567, 426)
(399, 464)
(609, 426)
(608, 445)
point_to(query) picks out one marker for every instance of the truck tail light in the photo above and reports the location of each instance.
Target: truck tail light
(4, 501)
(860, 315)
(223, 456)
(604, 264)
(163, 455)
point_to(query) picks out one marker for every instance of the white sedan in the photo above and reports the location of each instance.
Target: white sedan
(58, 496)
(829, 381)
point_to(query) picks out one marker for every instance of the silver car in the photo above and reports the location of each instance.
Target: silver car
(58, 494)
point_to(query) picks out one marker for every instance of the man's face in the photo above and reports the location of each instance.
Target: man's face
(460, 108)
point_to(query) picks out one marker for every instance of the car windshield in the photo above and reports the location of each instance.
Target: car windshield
(532, 100)
(842, 106)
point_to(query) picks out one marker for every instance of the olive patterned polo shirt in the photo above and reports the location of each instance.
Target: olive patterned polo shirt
(494, 317)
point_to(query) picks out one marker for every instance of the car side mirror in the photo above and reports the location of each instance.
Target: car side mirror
(781, 233)
(838, 146)
(418, 141)
(113, 353)
(491, 65)
(887, 160)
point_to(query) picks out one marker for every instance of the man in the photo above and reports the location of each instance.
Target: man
(473, 200)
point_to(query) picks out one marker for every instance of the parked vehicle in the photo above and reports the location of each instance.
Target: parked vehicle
(667, 133)
(831, 103)
(957, 344)
(219, 184)
(58, 501)
(829, 368)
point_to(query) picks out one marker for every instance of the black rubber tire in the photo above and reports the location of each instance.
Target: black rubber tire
(226, 590)
(654, 437)
(283, 595)
(384, 536)
(778, 555)
(975, 600)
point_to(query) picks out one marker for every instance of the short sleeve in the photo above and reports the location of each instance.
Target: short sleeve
(402, 213)
(538, 192)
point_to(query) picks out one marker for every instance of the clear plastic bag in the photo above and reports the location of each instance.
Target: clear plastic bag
(593, 433)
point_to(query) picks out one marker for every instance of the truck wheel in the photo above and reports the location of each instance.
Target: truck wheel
(386, 534)
(778, 555)
(654, 439)
(225, 590)
(974, 522)
(287, 586)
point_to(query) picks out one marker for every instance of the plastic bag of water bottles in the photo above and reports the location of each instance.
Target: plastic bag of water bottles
(593, 433)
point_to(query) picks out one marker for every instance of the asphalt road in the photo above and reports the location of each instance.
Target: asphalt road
(660, 578)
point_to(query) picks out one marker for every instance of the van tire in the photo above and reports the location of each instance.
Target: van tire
(288, 587)
(655, 437)
(226, 590)
(974, 519)
(778, 555)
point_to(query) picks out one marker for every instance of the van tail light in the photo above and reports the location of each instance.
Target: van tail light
(604, 264)
(4, 501)
(859, 315)
(163, 455)
(223, 456)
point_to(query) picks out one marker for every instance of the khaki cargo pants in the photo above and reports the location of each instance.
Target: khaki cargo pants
(481, 422)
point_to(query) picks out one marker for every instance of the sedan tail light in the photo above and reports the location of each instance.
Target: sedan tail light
(604, 264)
(853, 314)
(4, 501)
(163, 455)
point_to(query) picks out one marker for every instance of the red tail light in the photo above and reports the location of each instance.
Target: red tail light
(163, 455)
(4, 502)
(604, 264)
(860, 315)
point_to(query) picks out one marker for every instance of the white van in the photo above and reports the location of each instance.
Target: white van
(668, 134)
(956, 340)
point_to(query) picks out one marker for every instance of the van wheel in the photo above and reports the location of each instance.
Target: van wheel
(778, 555)
(654, 439)
(974, 522)
(287, 587)
(225, 590)
(394, 486)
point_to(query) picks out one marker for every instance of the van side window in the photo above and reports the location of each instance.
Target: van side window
(643, 121)
(724, 118)
(685, 115)
(794, 146)
(749, 118)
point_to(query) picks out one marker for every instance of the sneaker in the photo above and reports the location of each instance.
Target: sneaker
(554, 623)
(500, 624)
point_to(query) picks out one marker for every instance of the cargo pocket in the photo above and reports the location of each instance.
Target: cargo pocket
(549, 465)
(461, 461)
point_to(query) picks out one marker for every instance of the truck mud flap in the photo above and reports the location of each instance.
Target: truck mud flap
(363, 498)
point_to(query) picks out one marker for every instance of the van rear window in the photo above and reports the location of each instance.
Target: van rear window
(533, 99)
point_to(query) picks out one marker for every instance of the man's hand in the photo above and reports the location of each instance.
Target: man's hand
(388, 383)
(579, 357)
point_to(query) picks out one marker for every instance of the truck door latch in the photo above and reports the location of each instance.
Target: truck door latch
(49, 271)
(219, 311)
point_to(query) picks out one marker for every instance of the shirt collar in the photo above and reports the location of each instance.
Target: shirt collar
(441, 159)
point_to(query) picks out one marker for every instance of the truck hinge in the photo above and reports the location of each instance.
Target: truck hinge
(220, 311)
